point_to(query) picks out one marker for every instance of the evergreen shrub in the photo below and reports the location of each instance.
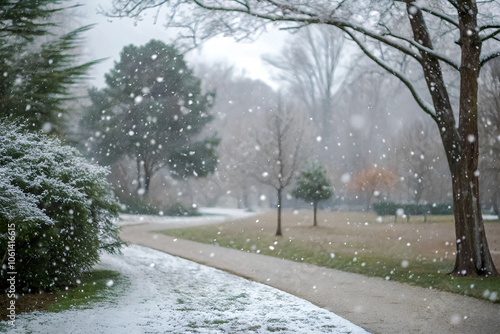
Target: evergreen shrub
(56, 212)
(390, 209)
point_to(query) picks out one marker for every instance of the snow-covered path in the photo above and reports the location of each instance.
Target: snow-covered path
(167, 294)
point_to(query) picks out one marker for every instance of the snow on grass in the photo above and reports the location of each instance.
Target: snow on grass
(167, 294)
(127, 219)
(217, 215)
(227, 212)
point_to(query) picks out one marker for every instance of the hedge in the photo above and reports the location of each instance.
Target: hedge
(391, 208)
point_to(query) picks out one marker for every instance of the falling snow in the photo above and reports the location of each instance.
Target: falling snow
(165, 294)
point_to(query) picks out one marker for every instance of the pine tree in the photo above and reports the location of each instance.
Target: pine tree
(37, 69)
(152, 111)
(313, 186)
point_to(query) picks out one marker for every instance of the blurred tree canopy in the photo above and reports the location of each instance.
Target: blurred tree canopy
(37, 66)
(372, 181)
(152, 111)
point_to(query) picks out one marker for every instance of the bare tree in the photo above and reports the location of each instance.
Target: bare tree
(309, 64)
(208, 191)
(239, 103)
(389, 32)
(422, 163)
(276, 156)
(372, 114)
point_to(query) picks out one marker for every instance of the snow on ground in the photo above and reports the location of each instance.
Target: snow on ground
(167, 294)
(215, 215)
(227, 212)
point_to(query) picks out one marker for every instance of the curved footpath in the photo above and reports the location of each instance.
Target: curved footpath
(377, 305)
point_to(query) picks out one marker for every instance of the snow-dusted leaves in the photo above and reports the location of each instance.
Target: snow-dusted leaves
(61, 206)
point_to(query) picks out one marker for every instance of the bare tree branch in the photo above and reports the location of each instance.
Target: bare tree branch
(490, 35)
(486, 58)
(428, 51)
(453, 3)
(488, 26)
(420, 101)
(440, 16)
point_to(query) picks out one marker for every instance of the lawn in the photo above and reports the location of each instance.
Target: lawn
(416, 252)
(93, 286)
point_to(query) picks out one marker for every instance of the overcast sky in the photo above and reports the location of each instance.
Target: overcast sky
(109, 36)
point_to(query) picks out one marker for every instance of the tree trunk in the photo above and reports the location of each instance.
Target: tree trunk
(278, 231)
(473, 255)
(368, 200)
(148, 174)
(328, 131)
(461, 144)
(419, 189)
(315, 208)
(139, 173)
(496, 201)
(148, 168)
(244, 195)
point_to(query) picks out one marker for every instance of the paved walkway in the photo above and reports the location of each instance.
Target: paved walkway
(377, 305)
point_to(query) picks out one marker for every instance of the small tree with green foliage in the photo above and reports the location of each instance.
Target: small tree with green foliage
(56, 212)
(313, 186)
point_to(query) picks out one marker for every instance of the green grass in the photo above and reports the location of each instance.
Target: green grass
(93, 287)
(219, 322)
(417, 270)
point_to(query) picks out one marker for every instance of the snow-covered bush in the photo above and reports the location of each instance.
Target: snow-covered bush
(56, 211)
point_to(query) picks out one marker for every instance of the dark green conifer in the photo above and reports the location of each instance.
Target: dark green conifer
(313, 186)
